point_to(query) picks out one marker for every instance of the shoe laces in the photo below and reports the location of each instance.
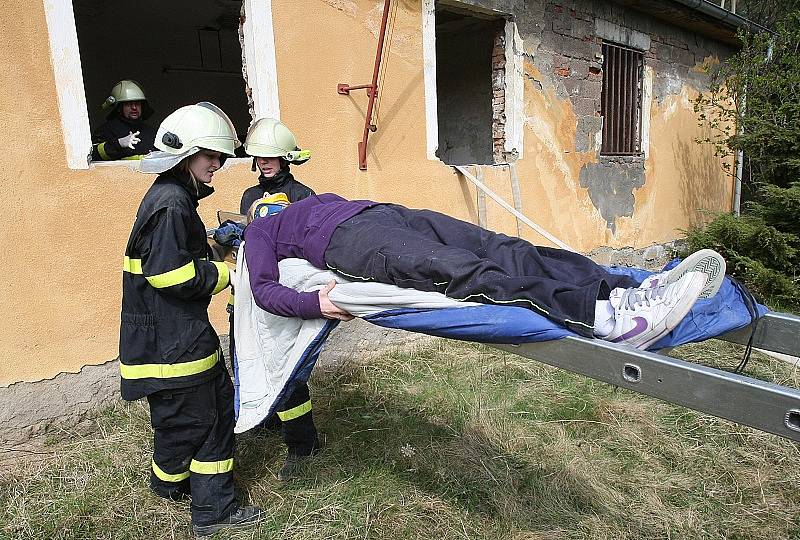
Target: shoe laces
(633, 298)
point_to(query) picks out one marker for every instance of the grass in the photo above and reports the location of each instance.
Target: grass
(450, 441)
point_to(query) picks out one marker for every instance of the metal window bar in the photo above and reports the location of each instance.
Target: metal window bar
(621, 102)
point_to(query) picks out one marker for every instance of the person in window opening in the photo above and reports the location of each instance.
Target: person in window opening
(169, 352)
(124, 135)
(429, 251)
(274, 149)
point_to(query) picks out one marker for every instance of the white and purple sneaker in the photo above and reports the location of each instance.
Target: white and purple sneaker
(644, 315)
(707, 261)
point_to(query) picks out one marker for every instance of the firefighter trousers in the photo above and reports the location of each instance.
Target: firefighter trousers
(193, 446)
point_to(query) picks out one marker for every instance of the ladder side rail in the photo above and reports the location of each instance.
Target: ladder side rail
(758, 404)
(776, 332)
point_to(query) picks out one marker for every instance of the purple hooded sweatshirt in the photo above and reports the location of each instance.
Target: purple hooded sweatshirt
(302, 230)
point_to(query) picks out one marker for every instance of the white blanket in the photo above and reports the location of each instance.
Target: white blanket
(271, 349)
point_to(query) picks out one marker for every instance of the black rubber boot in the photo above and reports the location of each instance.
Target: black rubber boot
(179, 492)
(244, 516)
(291, 467)
(295, 462)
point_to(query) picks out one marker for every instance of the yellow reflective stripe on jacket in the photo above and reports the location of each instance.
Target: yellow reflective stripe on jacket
(101, 149)
(136, 157)
(134, 266)
(211, 467)
(223, 276)
(173, 277)
(168, 371)
(295, 412)
(231, 300)
(166, 477)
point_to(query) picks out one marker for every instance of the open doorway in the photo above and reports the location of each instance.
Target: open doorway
(181, 51)
(470, 83)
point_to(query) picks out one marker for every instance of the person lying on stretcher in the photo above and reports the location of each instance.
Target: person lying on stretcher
(428, 251)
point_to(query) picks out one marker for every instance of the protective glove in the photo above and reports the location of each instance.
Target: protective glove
(229, 233)
(130, 140)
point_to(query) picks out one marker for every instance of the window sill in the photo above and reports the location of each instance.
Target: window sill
(133, 164)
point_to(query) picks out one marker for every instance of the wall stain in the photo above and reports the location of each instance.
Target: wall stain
(611, 185)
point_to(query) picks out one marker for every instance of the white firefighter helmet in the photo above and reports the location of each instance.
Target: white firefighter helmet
(268, 137)
(184, 132)
(127, 90)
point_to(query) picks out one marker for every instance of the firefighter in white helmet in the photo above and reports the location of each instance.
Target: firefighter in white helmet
(124, 135)
(274, 148)
(169, 352)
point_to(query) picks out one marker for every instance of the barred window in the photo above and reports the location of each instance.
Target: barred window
(622, 100)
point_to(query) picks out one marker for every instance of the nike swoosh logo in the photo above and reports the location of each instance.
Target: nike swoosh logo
(641, 326)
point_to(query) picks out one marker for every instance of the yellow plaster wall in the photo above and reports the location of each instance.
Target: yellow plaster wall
(683, 178)
(64, 231)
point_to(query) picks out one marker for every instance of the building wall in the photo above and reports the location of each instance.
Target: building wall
(65, 230)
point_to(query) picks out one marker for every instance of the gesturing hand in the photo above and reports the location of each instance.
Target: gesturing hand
(328, 308)
(130, 140)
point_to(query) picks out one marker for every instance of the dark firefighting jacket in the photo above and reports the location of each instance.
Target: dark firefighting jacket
(166, 340)
(105, 142)
(283, 182)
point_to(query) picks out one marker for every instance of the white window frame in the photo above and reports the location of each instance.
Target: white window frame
(259, 56)
(514, 83)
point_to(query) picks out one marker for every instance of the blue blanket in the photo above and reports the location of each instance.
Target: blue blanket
(726, 311)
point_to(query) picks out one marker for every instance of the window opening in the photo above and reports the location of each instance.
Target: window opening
(470, 87)
(182, 52)
(621, 106)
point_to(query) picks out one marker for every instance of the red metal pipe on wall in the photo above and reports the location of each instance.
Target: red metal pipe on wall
(372, 91)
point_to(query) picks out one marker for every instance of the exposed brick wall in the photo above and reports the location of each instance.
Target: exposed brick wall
(576, 56)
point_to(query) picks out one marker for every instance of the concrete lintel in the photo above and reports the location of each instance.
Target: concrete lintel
(624, 36)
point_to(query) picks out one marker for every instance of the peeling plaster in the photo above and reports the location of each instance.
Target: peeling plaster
(611, 186)
(347, 7)
(667, 83)
(679, 101)
(708, 63)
